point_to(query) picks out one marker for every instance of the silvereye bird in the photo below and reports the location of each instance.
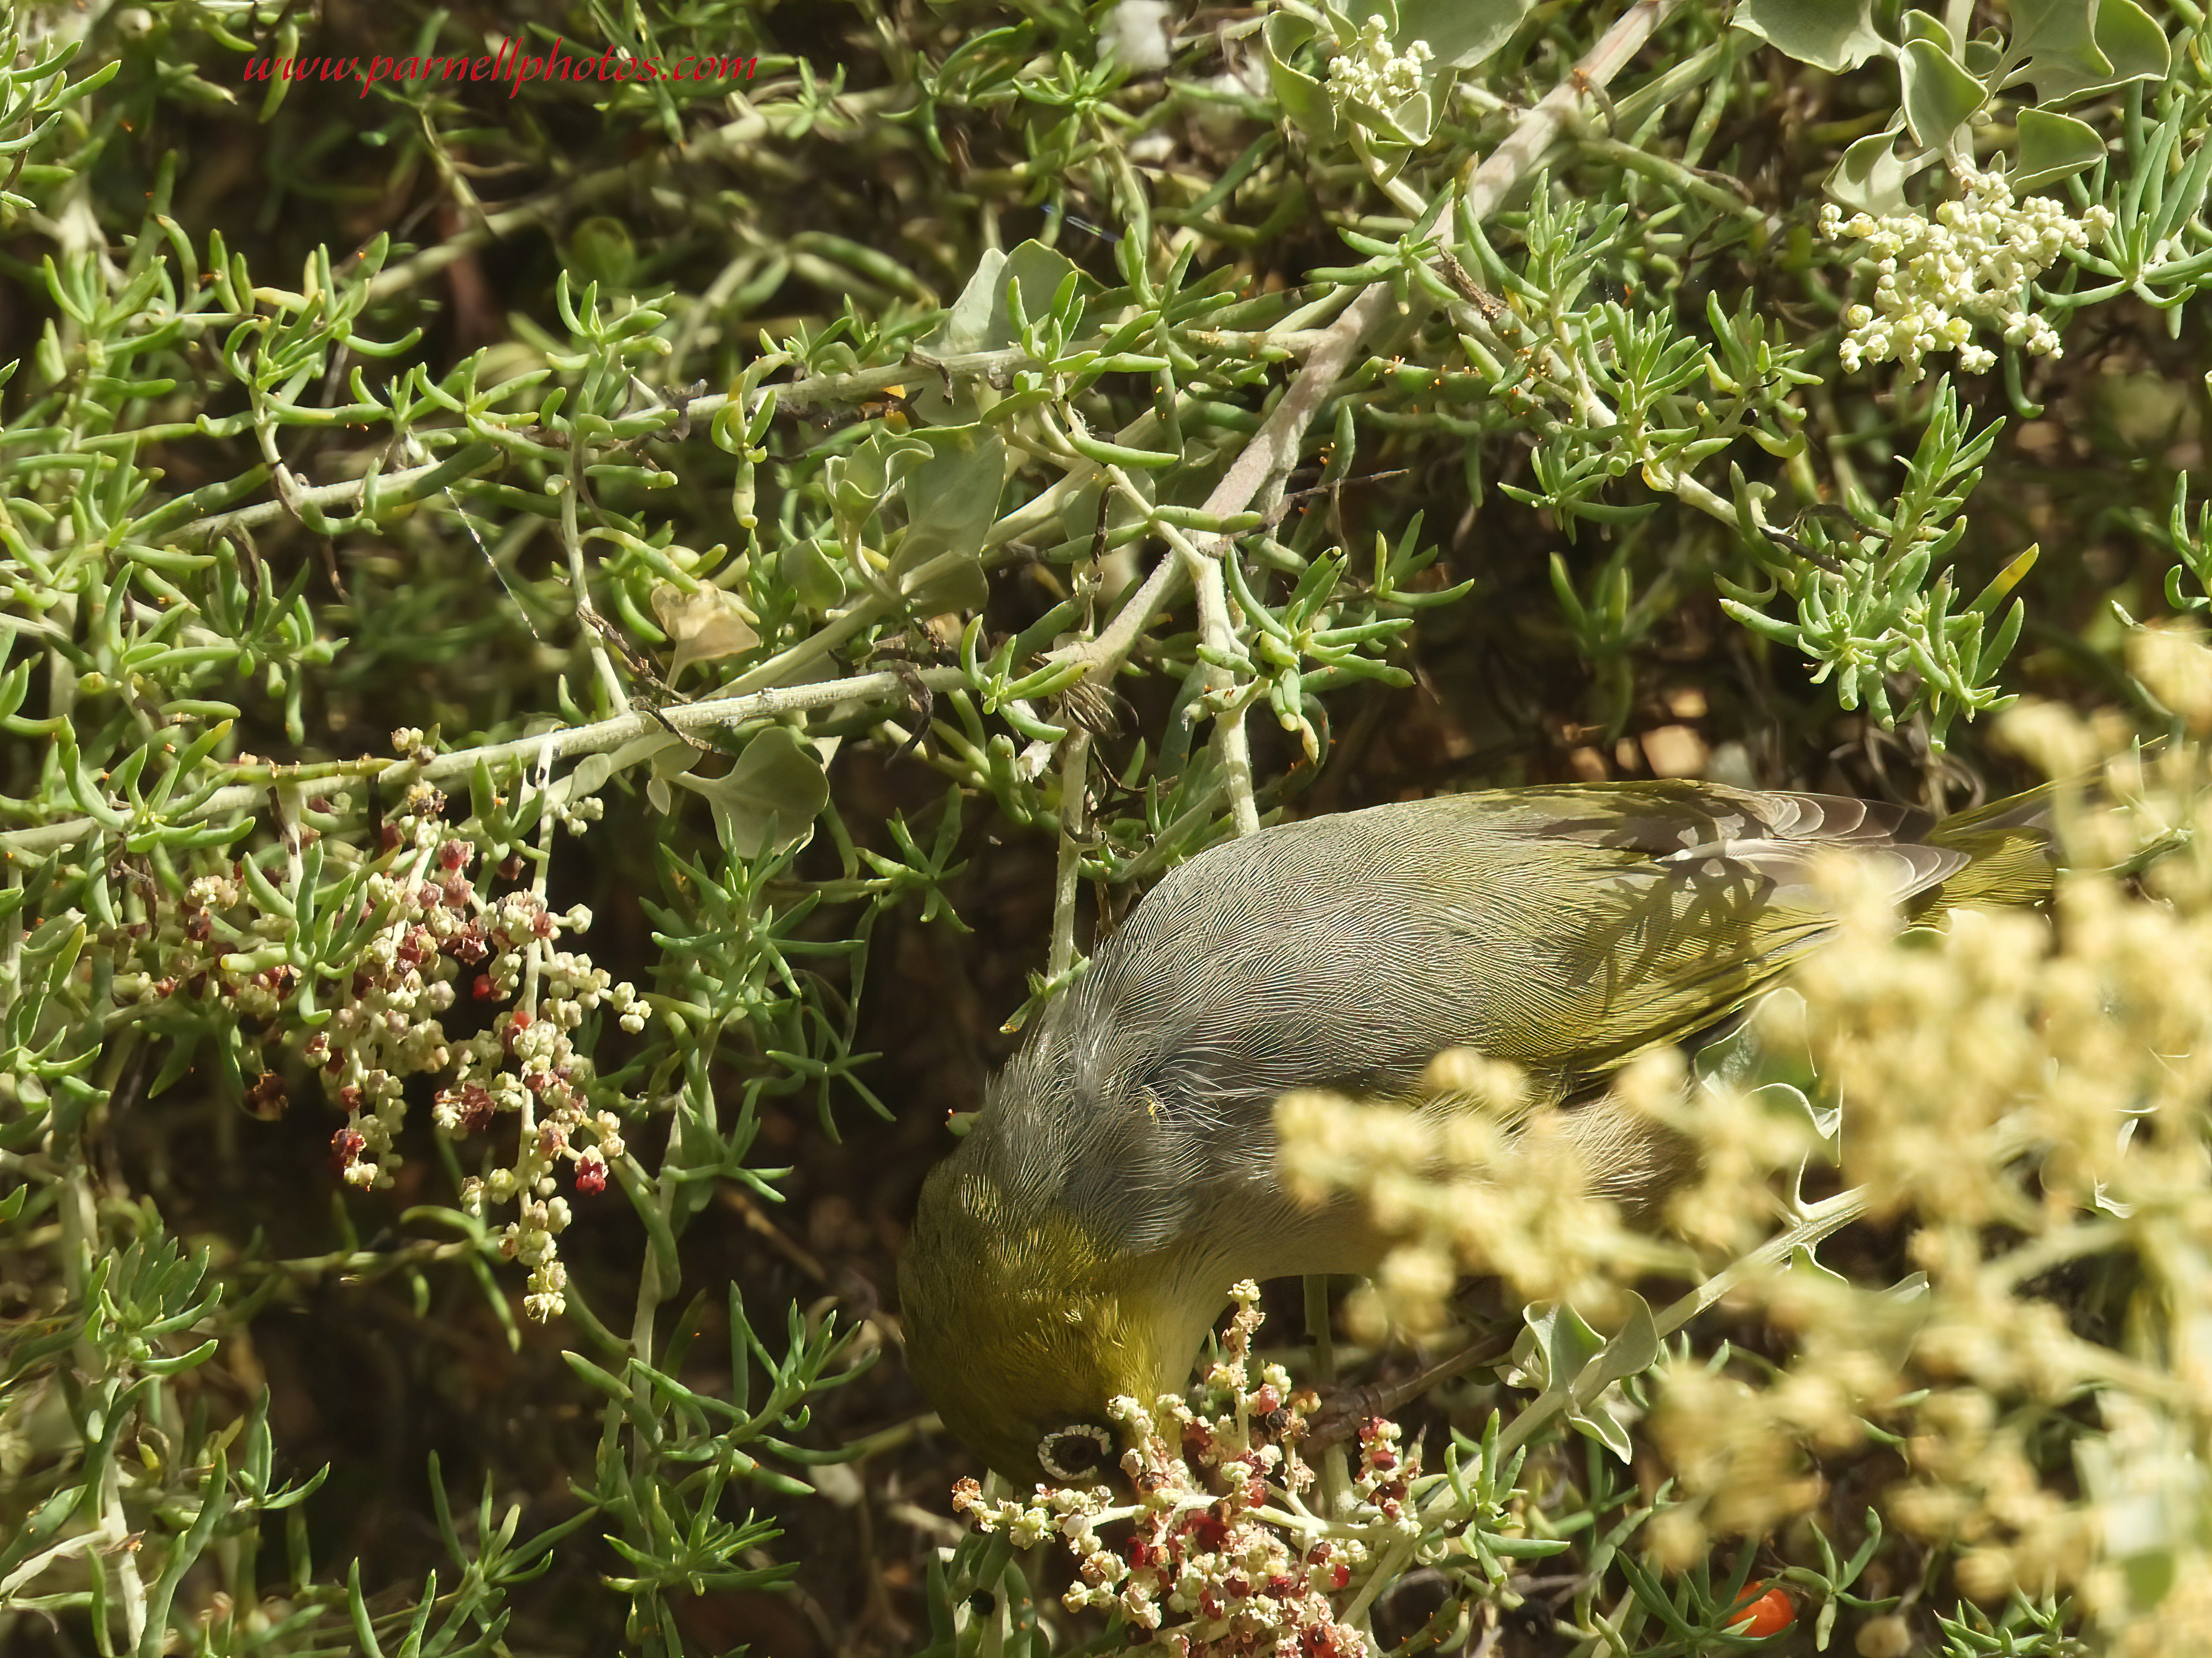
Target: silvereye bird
(1122, 1174)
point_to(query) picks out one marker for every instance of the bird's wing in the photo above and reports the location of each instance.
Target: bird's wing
(1565, 929)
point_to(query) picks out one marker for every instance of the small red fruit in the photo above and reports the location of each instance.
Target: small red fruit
(1762, 1613)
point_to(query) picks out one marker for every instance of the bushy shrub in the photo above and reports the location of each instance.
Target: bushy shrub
(574, 643)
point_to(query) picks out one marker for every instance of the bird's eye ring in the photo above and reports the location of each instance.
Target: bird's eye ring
(1076, 1452)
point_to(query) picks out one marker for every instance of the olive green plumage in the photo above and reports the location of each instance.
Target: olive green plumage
(1122, 1174)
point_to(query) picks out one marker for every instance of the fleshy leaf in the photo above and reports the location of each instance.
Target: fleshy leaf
(810, 573)
(859, 481)
(1556, 1345)
(2053, 147)
(1297, 92)
(951, 498)
(768, 800)
(979, 320)
(1939, 94)
(1835, 35)
(1635, 1348)
(1871, 176)
(2073, 47)
(1461, 33)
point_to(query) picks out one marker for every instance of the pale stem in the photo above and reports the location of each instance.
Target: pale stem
(339, 780)
(572, 543)
(1075, 784)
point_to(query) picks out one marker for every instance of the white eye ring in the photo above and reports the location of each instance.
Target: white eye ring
(1060, 1470)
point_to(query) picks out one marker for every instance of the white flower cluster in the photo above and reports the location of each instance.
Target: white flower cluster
(1938, 279)
(1371, 73)
(1223, 1555)
(546, 1087)
(435, 937)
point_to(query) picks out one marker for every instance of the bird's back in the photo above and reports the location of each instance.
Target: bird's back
(1565, 929)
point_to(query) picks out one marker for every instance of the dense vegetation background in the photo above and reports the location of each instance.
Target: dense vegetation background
(578, 650)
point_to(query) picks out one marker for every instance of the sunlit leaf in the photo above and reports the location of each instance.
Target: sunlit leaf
(706, 626)
(1835, 35)
(1940, 96)
(768, 800)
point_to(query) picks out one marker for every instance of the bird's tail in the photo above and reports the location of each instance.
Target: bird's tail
(2012, 851)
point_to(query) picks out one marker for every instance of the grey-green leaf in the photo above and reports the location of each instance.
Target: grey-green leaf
(2053, 147)
(1555, 1347)
(1298, 93)
(2073, 47)
(1939, 94)
(951, 498)
(808, 572)
(1635, 1348)
(979, 320)
(1835, 35)
(1871, 176)
(1461, 33)
(768, 799)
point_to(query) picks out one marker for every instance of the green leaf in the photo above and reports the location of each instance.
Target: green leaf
(1603, 1423)
(1635, 1348)
(1835, 35)
(2131, 38)
(2075, 47)
(859, 481)
(807, 571)
(1871, 176)
(952, 500)
(1917, 25)
(1940, 96)
(1297, 92)
(768, 801)
(1461, 33)
(2053, 147)
(1559, 1343)
(979, 320)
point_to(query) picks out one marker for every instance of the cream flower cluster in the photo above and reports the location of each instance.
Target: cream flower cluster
(526, 1064)
(435, 940)
(1223, 1557)
(1372, 74)
(1939, 279)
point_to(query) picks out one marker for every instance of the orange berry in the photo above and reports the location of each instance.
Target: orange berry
(1762, 1613)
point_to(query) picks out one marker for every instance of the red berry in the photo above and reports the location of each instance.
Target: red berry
(1761, 1613)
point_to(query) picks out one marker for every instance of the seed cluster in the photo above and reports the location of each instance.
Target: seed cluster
(1224, 1556)
(429, 937)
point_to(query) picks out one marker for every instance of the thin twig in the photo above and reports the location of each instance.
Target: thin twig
(572, 543)
(338, 779)
(1074, 785)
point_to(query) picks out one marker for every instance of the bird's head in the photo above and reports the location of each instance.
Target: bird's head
(1020, 1327)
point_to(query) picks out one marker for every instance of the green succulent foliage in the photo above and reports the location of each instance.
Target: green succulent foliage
(2062, 50)
(1867, 610)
